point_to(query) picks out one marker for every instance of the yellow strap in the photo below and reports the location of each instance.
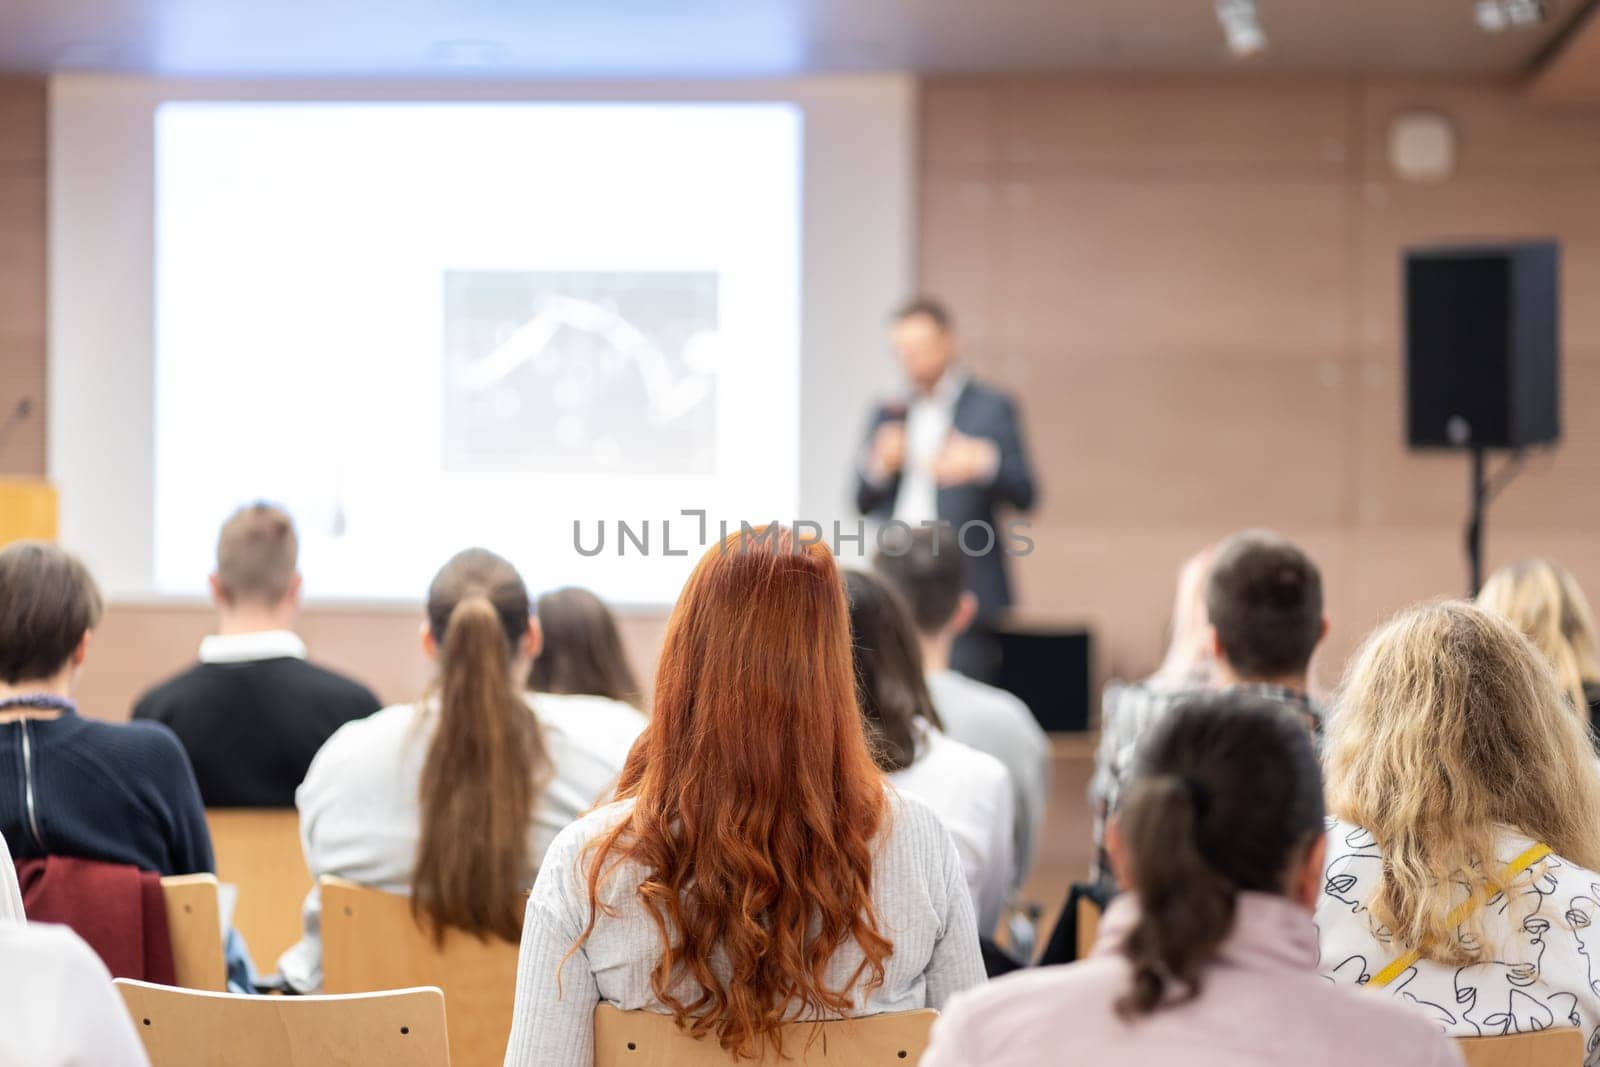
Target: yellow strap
(1400, 964)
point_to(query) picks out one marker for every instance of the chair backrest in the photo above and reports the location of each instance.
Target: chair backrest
(1542, 1048)
(194, 920)
(650, 1039)
(189, 1028)
(1088, 925)
(370, 940)
(258, 850)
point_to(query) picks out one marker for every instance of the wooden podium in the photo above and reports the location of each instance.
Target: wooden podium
(27, 510)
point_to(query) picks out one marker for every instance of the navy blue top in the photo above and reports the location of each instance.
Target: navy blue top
(102, 791)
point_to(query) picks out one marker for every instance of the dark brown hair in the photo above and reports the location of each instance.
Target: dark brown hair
(582, 650)
(1265, 600)
(931, 574)
(257, 552)
(486, 765)
(48, 601)
(1225, 797)
(926, 306)
(890, 685)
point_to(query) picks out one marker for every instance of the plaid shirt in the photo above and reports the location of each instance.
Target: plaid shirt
(1127, 714)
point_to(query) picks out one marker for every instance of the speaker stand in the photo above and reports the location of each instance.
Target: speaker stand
(1479, 495)
(1481, 491)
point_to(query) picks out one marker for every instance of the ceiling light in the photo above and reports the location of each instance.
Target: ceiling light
(1494, 16)
(1241, 25)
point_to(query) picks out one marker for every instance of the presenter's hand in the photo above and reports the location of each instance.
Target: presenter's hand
(889, 448)
(965, 460)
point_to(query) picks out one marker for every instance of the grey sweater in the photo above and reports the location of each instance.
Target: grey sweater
(919, 892)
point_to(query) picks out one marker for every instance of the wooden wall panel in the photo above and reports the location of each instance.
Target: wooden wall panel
(1176, 125)
(1195, 289)
(22, 270)
(1107, 267)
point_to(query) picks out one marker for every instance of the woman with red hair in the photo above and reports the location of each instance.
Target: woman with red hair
(754, 869)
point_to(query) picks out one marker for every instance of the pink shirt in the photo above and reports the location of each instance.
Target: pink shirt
(1262, 1002)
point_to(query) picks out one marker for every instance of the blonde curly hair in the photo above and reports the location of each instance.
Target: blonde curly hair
(1543, 600)
(1449, 727)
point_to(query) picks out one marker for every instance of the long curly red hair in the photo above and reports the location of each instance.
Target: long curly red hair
(756, 800)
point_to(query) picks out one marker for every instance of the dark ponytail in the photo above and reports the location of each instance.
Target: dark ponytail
(487, 765)
(1226, 797)
(890, 685)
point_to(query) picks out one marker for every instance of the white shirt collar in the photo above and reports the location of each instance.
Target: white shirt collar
(244, 648)
(947, 389)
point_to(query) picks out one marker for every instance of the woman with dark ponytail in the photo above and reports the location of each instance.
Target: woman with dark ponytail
(452, 800)
(1209, 957)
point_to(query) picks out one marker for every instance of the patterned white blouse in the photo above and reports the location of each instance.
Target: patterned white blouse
(1542, 973)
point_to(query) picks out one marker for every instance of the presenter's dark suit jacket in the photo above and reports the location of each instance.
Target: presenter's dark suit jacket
(979, 412)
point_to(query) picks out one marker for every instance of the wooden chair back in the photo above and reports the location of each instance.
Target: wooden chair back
(1542, 1048)
(650, 1039)
(258, 850)
(194, 921)
(1088, 925)
(189, 1028)
(370, 940)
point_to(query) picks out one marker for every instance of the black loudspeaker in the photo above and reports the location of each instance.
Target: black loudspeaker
(1048, 670)
(1482, 349)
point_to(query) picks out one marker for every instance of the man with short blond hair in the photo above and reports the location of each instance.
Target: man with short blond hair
(253, 712)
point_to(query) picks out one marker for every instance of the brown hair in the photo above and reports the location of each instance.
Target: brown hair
(48, 601)
(257, 551)
(582, 650)
(931, 574)
(928, 307)
(756, 802)
(487, 764)
(1264, 598)
(890, 685)
(1226, 797)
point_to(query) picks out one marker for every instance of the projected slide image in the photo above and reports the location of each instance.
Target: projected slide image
(421, 326)
(580, 372)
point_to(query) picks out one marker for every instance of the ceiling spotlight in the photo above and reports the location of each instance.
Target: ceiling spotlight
(1494, 16)
(1241, 25)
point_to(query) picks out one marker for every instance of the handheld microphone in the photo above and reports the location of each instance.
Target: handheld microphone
(17, 416)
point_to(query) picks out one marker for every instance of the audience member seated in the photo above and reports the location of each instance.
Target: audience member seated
(119, 793)
(253, 712)
(1461, 868)
(58, 1007)
(969, 789)
(581, 678)
(1263, 605)
(931, 576)
(455, 798)
(1125, 706)
(1210, 957)
(755, 869)
(1543, 600)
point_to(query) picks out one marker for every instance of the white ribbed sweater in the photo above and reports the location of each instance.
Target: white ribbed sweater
(919, 892)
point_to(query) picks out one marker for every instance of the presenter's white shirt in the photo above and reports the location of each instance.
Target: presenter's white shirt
(929, 419)
(971, 793)
(361, 817)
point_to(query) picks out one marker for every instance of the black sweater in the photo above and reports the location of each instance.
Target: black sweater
(101, 791)
(251, 728)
